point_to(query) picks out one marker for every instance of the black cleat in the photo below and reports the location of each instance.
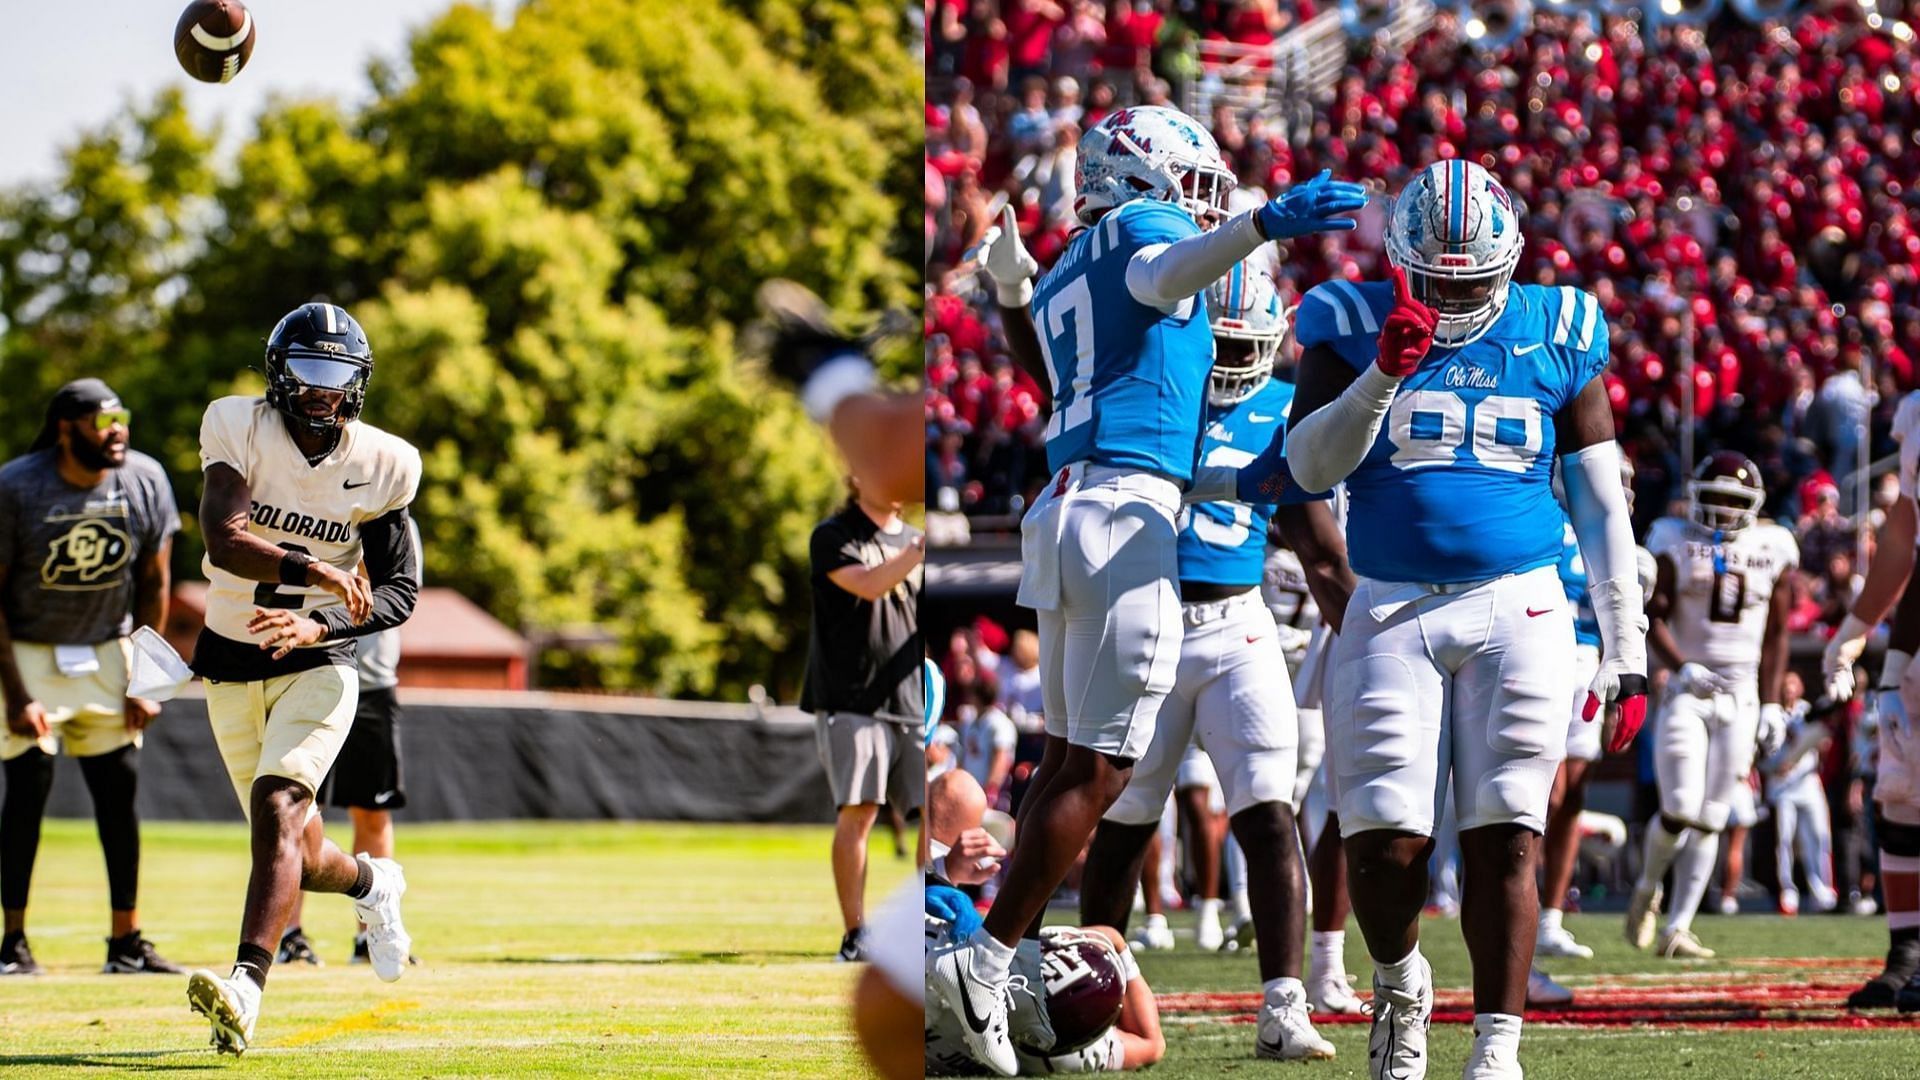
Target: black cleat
(15, 957)
(135, 955)
(296, 949)
(853, 947)
(1907, 1000)
(1878, 993)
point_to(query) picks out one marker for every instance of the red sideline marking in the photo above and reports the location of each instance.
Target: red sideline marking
(1807, 1004)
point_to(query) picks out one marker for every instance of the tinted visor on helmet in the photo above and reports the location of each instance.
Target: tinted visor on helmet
(319, 374)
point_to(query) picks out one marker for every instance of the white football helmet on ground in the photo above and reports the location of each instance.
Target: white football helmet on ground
(1150, 152)
(1455, 232)
(1248, 324)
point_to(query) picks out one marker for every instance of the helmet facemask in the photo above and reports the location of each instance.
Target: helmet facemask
(1456, 233)
(1724, 505)
(1242, 364)
(297, 382)
(1465, 298)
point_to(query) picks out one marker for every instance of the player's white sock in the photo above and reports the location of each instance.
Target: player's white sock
(1406, 977)
(1549, 919)
(991, 959)
(1691, 872)
(1236, 873)
(1293, 990)
(1242, 907)
(1498, 1032)
(1330, 953)
(1661, 847)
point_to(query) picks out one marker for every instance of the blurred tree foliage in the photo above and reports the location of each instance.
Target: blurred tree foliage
(552, 231)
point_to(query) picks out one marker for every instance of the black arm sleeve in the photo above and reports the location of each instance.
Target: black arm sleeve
(393, 565)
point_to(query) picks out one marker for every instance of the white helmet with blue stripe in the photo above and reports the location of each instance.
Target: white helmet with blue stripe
(1455, 232)
(1150, 152)
(1248, 324)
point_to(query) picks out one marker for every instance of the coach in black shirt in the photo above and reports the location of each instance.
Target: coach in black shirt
(864, 682)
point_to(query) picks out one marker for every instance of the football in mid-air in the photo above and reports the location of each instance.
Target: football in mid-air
(213, 39)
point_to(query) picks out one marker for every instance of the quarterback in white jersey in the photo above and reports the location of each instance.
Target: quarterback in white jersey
(299, 495)
(1718, 619)
(1894, 707)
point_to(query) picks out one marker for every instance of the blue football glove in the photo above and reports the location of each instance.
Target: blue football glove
(1310, 208)
(1267, 480)
(953, 905)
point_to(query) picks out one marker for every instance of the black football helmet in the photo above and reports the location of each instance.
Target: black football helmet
(318, 355)
(1726, 492)
(1084, 990)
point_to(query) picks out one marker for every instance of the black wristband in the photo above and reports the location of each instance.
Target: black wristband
(293, 568)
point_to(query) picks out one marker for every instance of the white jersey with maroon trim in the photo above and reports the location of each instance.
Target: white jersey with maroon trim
(317, 509)
(1722, 591)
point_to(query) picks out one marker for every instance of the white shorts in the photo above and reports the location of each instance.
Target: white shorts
(1197, 771)
(1896, 788)
(1703, 751)
(1313, 748)
(1741, 811)
(1472, 680)
(1583, 738)
(1231, 697)
(1097, 549)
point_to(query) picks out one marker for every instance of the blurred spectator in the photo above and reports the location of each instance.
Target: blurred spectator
(987, 738)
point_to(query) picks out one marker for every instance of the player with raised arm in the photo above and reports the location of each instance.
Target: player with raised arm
(1895, 705)
(1719, 623)
(1442, 399)
(299, 492)
(1124, 328)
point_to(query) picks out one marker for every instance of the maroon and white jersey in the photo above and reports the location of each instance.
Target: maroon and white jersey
(1722, 591)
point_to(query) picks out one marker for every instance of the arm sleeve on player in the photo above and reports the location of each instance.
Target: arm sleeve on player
(1327, 445)
(391, 549)
(1604, 528)
(224, 435)
(1163, 274)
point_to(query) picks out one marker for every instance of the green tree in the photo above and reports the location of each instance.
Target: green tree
(552, 231)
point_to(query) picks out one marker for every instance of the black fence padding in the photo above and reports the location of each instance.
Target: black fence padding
(474, 756)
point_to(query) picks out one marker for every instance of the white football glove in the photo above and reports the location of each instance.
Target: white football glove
(1698, 680)
(1849, 641)
(1772, 733)
(1007, 261)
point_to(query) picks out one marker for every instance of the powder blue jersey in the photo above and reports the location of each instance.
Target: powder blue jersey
(1129, 380)
(1573, 577)
(1458, 485)
(1225, 543)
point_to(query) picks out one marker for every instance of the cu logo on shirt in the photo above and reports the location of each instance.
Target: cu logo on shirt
(88, 552)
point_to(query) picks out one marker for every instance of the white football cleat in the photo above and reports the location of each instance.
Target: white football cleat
(1329, 994)
(1679, 944)
(388, 945)
(1485, 1062)
(1643, 916)
(1558, 941)
(1207, 934)
(1543, 992)
(1729, 904)
(1286, 1033)
(981, 1008)
(1397, 1044)
(1153, 935)
(1789, 901)
(231, 1004)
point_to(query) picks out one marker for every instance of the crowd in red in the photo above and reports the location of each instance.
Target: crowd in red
(1748, 192)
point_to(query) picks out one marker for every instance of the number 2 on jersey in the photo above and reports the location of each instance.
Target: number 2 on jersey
(268, 595)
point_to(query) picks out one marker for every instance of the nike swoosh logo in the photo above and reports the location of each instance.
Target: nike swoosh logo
(1532, 614)
(1259, 419)
(1251, 638)
(978, 1025)
(350, 485)
(1522, 350)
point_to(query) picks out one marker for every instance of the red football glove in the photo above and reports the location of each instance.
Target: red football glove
(1408, 333)
(1630, 699)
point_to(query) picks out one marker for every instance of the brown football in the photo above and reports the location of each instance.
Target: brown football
(213, 39)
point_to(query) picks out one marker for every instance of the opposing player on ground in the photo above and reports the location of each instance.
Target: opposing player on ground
(1719, 623)
(299, 492)
(1231, 694)
(1583, 744)
(1442, 399)
(1896, 705)
(1124, 327)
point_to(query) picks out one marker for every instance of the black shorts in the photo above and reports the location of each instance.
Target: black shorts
(366, 773)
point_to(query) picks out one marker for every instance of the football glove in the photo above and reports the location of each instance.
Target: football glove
(1007, 261)
(953, 905)
(1698, 680)
(1772, 733)
(1310, 208)
(1624, 696)
(1843, 651)
(1265, 479)
(1408, 332)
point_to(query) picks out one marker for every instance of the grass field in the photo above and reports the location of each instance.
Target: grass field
(1769, 1007)
(548, 949)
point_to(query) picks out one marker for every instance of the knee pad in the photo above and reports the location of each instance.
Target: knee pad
(1895, 838)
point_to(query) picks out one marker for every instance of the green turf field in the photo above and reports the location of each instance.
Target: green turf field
(549, 949)
(1212, 1038)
